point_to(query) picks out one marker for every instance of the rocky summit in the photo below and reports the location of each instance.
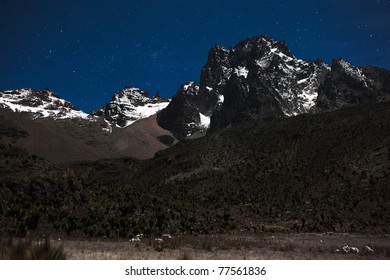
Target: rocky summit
(260, 79)
(40, 103)
(129, 105)
(182, 115)
(347, 85)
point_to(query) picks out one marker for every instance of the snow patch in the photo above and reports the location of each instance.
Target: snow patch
(190, 84)
(204, 120)
(107, 129)
(227, 72)
(302, 81)
(221, 99)
(191, 88)
(264, 62)
(241, 71)
(135, 113)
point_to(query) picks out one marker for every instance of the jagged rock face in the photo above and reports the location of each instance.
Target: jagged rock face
(260, 79)
(243, 103)
(253, 80)
(213, 79)
(379, 80)
(40, 103)
(267, 82)
(182, 116)
(191, 107)
(129, 105)
(347, 85)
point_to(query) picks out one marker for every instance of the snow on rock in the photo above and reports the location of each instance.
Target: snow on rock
(241, 71)
(353, 72)
(192, 84)
(302, 81)
(227, 72)
(264, 62)
(40, 103)
(283, 56)
(204, 120)
(221, 99)
(130, 105)
(308, 95)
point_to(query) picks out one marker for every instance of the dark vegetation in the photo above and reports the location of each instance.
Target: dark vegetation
(166, 139)
(23, 249)
(310, 173)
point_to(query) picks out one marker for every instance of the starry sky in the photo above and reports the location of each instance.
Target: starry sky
(87, 50)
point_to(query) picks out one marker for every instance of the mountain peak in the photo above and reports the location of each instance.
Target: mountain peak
(190, 88)
(130, 95)
(350, 70)
(259, 79)
(40, 103)
(129, 105)
(182, 116)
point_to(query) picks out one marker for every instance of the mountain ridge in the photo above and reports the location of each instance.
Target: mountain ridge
(259, 78)
(40, 103)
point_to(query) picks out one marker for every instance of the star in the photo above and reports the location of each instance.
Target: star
(142, 43)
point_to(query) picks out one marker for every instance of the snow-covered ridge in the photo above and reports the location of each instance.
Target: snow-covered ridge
(41, 103)
(130, 105)
(130, 95)
(353, 72)
(126, 107)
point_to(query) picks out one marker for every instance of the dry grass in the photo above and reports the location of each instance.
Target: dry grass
(25, 249)
(280, 246)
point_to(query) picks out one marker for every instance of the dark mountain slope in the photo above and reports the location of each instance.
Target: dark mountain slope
(329, 171)
(77, 139)
(57, 140)
(346, 85)
(323, 172)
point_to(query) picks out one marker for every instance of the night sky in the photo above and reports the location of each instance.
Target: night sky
(87, 50)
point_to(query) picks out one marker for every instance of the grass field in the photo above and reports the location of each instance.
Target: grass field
(279, 246)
